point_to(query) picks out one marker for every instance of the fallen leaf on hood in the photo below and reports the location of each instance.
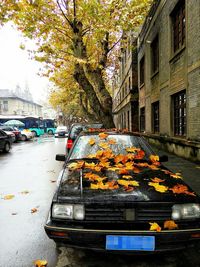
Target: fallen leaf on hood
(40, 263)
(158, 187)
(157, 180)
(8, 197)
(176, 175)
(94, 177)
(129, 189)
(33, 210)
(127, 183)
(170, 225)
(103, 135)
(155, 227)
(154, 158)
(127, 176)
(76, 165)
(91, 141)
(181, 189)
(123, 171)
(140, 155)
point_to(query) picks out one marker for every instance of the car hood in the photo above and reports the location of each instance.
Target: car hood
(70, 188)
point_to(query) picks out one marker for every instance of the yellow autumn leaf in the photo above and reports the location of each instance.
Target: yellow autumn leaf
(176, 176)
(132, 149)
(91, 141)
(103, 135)
(8, 197)
(40, 263)
(155, 227)
(111, 141)
(103, 145)
(158, 187)
(127, 183)
(127, 176)
(154, 158)
(170, 225)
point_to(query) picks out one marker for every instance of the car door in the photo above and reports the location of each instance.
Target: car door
(3, 137)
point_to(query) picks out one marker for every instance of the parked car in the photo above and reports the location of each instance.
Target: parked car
(61, 131)
(14, 130)
(114, 194)
(76, 128)
(26, 135)
(5, 141)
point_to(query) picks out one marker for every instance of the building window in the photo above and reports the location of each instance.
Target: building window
(155, 55)
(155, 117)
(142, 119)
(142, 71)
(179, 101)
(5, 105)
(178, 26)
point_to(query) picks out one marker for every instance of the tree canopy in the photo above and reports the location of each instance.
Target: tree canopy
(77, 40)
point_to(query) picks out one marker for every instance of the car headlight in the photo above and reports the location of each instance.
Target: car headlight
(185, 211)
(68, 211)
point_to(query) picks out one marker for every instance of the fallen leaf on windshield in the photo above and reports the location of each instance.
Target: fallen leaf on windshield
(76, 165)
(120, 158)
(103, 135)
(176, 175)
(140, 155)
(24, 192)
(155, 227)
(8, 197)
(94, 177)
(181, 189)
(170, 225)
(103, 145)
(132, 149)
(158, 187)
(123, 171)
(33, 210)
(112, 141)
(157, 180)
(40, 263)
(91, 141)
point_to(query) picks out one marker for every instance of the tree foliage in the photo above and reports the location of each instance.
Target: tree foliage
(75, 39)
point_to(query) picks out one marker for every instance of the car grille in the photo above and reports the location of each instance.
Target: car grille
(120, 214)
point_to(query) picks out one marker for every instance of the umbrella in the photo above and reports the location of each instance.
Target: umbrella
(14, 123)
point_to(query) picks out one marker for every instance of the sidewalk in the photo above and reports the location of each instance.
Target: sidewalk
(190, 171)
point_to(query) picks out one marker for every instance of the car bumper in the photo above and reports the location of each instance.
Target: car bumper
(93, 239)
(61, 135)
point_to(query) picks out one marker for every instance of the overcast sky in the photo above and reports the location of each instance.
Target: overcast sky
(16, 68)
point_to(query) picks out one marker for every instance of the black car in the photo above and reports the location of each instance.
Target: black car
(76, 128)
(5, 141)
(114, 194)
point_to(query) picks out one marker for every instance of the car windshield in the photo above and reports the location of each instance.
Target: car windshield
(118, 143)
(76, 129)
(62, 128)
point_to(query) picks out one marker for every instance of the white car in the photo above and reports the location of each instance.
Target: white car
(26, 135)
(61, 131)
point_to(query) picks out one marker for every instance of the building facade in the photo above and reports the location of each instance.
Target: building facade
(125, 86)
(169, 76)
(11, 104)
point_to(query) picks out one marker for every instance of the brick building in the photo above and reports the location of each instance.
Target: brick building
(169, 76)
(125, 86)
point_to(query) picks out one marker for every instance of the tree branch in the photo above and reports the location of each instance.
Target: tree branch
(69, 22)
(114, 44)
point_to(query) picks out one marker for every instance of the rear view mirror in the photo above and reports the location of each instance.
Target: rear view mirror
(163, 158)
(60, 157)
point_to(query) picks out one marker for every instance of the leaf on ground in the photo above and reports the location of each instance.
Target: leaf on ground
(52, 181)
(52, 171)
(14, 213)
(40, 263)
(170, 225)
(8, 197)
(155, 227)
(33, 210)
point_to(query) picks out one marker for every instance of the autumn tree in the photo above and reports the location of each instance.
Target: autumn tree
(75, 39)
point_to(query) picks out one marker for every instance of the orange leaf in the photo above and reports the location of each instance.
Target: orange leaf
(40, 263)
(123, 171)
(176, 175)
(155, 227)
(33, 210)
(140, 155)
(132, 149)
(154, 158)
(93, 177)
(157, 180)
(91, 141)
(170, 225)
(76, 165)
(103, 135)
(112, 141)
(126, 176)
(129, 189)
(181, 189)
(120, 158)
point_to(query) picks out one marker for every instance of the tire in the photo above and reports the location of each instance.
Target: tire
(23, 137)
(34, 133)
(7, 147)
(50, 132)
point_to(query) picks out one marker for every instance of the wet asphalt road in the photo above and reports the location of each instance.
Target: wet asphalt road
(30, 166)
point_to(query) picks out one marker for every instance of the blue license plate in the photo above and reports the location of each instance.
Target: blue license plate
(123, 242)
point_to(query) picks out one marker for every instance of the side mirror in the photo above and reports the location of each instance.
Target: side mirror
(60, 157)
(163, 158)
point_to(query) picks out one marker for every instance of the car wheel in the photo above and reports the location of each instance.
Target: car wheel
(50, 132)
(23, 137)
(6, 147)
(34, 133)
